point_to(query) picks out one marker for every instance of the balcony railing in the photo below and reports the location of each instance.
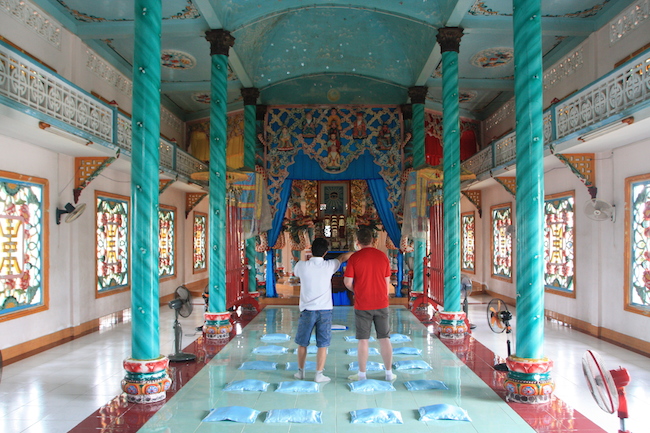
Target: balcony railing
(615, 95)
(32, 88)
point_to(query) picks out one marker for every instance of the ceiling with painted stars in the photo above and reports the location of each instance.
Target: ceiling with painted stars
(332, 51)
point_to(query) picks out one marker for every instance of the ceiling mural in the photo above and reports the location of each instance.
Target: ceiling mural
(552, 8)
(344, 52)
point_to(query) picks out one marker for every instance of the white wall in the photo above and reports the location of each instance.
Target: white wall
(71, 254)
(600, 245)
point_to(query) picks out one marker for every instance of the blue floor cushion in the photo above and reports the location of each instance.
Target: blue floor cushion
(304, 416)
(247, 385)
(232, 413)
(375, 415)
(443, 411)
(371, 386)
(298, 387)
(420, 385)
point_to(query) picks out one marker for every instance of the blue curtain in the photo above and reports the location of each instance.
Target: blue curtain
(379, 195)
(273, 235)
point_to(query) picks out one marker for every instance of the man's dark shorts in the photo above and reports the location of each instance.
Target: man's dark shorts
(364, 320)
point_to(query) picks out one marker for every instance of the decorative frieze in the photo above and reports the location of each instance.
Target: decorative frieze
(105, 71)
(166, 117)
(506, 111)
(566, 67)
(35, 19)
(628, 20)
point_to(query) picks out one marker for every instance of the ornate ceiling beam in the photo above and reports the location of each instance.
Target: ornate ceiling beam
(456, 16)
(210, 15)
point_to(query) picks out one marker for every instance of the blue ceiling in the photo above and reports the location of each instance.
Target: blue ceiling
(326, 52)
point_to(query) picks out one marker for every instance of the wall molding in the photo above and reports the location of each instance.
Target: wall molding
(622, 340)
(28, 348)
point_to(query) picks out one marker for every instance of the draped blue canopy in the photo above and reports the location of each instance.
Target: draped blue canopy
(334, 148)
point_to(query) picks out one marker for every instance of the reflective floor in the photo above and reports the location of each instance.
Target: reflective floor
(73, 387)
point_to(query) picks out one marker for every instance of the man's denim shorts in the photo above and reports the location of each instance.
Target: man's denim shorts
(321, 320)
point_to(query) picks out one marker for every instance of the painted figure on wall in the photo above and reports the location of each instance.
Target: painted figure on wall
(309, 126)
(359, 127)
(334, 123)
(333, 160)
(285, 139)
(384, 138)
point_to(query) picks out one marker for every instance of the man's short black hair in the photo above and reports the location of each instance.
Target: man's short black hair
(319, 247)
(364, 235)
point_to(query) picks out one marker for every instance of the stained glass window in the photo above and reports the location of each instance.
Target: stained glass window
(638, 244)
(199, 258)
(468, 222)
(112, 231)
(166, 241)
(559, 251)
(501, 221)
(23, 242)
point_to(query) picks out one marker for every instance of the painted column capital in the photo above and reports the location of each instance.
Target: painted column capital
(220, 41)
(250, 95)
(418, 94)
(449, 38)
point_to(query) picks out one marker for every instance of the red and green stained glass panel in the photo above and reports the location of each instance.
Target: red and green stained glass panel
(21, 244)
(468, 259)
(112, 226)
(166, 242)
(199, 258)
(501, 221)
(639, 243)
(559, 251)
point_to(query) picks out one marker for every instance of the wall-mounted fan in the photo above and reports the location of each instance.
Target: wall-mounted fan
(182, 306)
(607, 386)
(499, 318)
(599, 210)
(73, 212)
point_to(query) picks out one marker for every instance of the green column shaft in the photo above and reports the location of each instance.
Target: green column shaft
(250, 145)
(419, 245)
(145, 163)
(530, 178)
(451, 179)
(217, 205)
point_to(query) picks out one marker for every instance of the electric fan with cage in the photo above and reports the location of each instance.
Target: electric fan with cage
(499, 318)
(182, 306)
(607, 386)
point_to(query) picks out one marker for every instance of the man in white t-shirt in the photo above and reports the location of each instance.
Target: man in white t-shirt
(316, 305)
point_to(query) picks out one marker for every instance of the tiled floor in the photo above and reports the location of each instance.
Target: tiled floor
(61, 389)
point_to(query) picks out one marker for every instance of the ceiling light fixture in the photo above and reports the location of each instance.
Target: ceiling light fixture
(606, 129)
(65, 134)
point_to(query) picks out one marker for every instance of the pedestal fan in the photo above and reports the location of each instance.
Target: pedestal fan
(499, 320)
(182, 305)
(607, 386)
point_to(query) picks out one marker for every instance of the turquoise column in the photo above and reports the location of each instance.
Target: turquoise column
(145, 163)
(220, 42)
(418, 96)
(449, 40)
(146, 380)
(529, 378)
(250, 95)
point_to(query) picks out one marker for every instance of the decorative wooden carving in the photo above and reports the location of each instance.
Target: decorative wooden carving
(87, 169)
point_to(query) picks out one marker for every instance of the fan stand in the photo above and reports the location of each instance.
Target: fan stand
(466, 311)
(621, 380)
(500, 315)
(178, 355)
(506, 316)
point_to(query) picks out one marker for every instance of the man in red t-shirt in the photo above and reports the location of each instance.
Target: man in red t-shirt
(368, 275)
